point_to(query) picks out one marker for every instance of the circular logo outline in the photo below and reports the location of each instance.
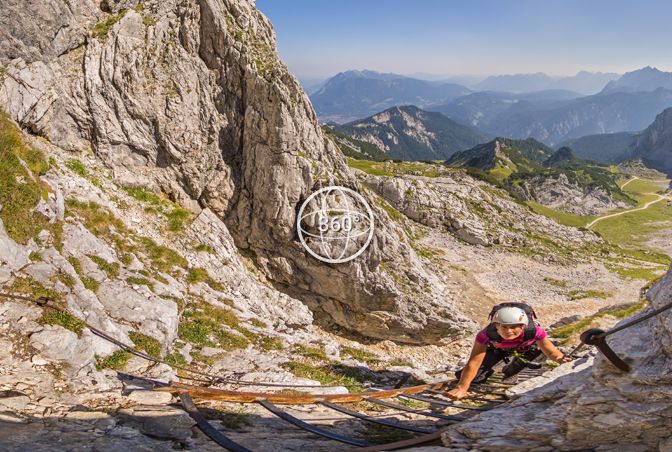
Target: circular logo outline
(361, 199)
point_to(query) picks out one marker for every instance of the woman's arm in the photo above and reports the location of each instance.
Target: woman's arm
(469, 372)
(551, 351)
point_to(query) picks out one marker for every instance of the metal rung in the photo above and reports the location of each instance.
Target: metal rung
(483, 399)
(444, 403)
(482, 391)
(531, 372)
(487, 385)
(499, 380)
(414, 411)
(385, 422)
(311, 428)
(443, 394)
(207, 428)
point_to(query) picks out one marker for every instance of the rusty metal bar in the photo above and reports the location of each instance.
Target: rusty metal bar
(291, 399)
(207, 428)
(385, 422)
(311, 428)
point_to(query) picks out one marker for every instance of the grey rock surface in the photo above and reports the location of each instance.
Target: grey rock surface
(560, 193)
(471, 210)
(191, 99)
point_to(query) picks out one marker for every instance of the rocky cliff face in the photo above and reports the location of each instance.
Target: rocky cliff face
(654, 145)
(589, 403)
(189, 98)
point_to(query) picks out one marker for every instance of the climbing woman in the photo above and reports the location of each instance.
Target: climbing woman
(512, 331)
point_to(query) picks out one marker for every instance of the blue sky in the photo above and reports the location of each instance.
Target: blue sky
(320, 38)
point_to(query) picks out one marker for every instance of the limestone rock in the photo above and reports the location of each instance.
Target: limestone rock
(12, 255)
(157, 316)
(57, 344)
(191, 99)
(471, 210)
(560, 193)
(151, 397)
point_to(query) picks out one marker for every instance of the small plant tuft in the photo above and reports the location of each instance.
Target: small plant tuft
(64, 319)
(116, 361)
(258, 323)
(317, 353)
(110, 268)
(270, 343)
(90, 283)
(361, 355)
(198, 274)
(34, 288)
(77, 167)
(580, 294)
(177, 218)
(146, 343)
(203, 248)
(102, 28)
(144, 196)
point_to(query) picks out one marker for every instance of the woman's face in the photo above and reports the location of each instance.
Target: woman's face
(509, 331)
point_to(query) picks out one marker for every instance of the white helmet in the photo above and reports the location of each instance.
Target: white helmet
(510, 316)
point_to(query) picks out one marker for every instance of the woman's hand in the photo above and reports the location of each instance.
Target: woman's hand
(565, 359)
(457, 393)
(552, 352)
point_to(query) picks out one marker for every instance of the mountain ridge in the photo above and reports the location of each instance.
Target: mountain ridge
(654, 144)
(645, 79)
(410, 133)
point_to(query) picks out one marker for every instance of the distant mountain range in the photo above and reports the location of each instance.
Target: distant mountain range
(599, 127)
(483, 109)
(601, 113)
(557, 116)
(409, 133)
(515, 83)
(356, 94)
(653, 145)
(584, 82)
